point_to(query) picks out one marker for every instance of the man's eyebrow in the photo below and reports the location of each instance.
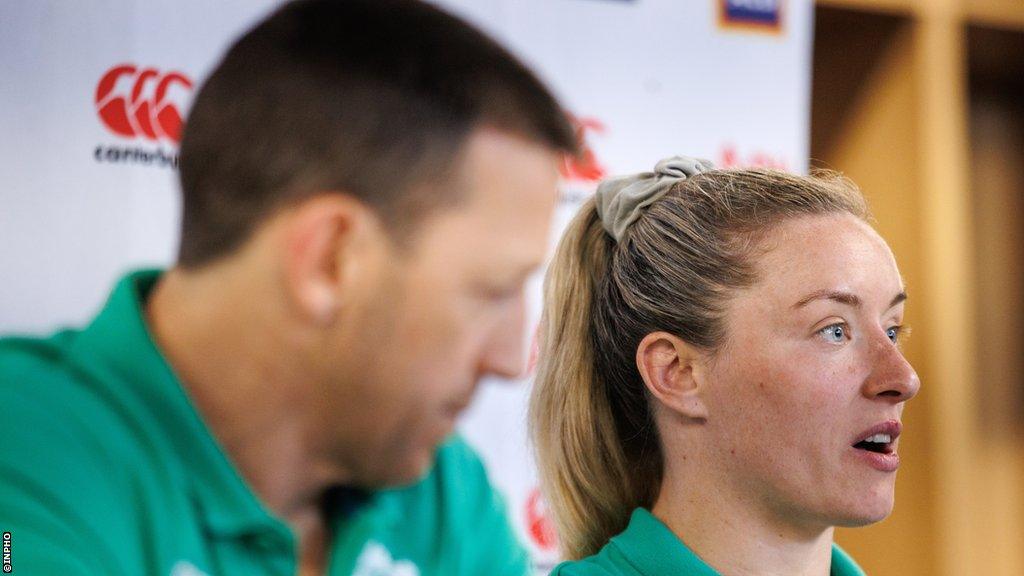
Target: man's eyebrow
(519, 271)
(843, 298)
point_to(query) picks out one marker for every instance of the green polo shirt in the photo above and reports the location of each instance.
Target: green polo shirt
(107, 468)
(648, 548)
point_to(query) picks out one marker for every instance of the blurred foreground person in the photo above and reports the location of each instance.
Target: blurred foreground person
(366, 186)
(720, 380)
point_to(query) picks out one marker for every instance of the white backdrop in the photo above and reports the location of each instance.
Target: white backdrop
(87, 168)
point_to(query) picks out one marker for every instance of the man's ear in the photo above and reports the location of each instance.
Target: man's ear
(673, 371)
(324, 244)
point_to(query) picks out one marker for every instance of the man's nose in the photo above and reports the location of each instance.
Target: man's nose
(504, 355)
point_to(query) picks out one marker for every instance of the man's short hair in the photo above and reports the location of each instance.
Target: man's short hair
(374, 98)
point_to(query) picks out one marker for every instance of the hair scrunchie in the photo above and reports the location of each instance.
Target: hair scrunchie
(620, 200)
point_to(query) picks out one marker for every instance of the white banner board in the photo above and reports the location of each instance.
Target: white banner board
(92, 95)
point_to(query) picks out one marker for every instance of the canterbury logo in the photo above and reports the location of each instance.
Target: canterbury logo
(134, 102)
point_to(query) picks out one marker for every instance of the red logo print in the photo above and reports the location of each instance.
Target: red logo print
(145, 110)
(729, 157)
(538, 524)
(586, 166)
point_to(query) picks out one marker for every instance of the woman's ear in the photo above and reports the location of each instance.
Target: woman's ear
(673, 371)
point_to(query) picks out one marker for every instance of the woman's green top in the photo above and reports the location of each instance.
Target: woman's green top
(648, 548)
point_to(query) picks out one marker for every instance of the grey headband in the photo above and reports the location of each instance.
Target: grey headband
(620, 200)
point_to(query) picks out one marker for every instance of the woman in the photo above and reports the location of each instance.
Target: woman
(720, 382)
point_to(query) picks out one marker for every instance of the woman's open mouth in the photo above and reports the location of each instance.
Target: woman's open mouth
(879, 443)
(877, 446)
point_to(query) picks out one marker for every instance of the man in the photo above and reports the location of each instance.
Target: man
(366, 186)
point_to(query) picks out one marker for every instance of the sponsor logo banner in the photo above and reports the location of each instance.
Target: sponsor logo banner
(145, 109)
(142, 105)
(763, 15)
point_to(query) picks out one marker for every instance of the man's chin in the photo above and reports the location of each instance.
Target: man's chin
(409, 470)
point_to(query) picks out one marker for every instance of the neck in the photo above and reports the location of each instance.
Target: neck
(237, 356)
(732, 533)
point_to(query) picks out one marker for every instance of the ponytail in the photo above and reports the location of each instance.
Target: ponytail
(584, 471)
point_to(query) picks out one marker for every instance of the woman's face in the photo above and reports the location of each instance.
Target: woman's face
(806, 395)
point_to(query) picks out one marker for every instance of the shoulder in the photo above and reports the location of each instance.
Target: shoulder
(50, 404)
(608, 561)
(22, 356)
(40, 387)
(60, 494)
(611, 560)
(592, 566)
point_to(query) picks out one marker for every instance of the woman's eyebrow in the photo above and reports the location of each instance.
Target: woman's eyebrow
(843, 298)
(836, 295)
(899, 298)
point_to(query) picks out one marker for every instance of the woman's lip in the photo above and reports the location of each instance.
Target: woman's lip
(889, 427)
(886, 460)
(879, 461)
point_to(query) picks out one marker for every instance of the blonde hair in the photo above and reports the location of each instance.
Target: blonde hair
(591, 423)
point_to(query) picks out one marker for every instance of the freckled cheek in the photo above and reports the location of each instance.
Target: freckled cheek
(781, 406)
(819, 400)
(747, 412)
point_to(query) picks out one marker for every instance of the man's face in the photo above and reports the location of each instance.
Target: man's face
(436, 318)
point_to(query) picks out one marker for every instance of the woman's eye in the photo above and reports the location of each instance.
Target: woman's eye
(834, 333)
(893, 333)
